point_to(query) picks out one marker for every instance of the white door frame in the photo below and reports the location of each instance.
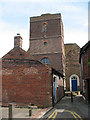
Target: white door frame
(71, 80)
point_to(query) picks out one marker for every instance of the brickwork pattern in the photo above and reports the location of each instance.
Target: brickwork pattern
(72, 63)
(53, 36)
(86, 73)
(86, 66)
(26, 82)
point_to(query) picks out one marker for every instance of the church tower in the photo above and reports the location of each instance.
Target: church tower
(47, 40)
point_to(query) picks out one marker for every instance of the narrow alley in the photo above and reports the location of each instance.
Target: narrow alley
(65, 109)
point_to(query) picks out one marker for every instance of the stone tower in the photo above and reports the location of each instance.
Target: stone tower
(47, 40)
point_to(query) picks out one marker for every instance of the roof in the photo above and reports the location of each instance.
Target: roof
(83, 50)
(17, 53)
(69, 46)
(46, 16)
(57, 73)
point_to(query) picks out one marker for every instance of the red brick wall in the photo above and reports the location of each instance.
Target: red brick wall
(86, 72)
(72, 64)
(55, 60)
(86, 90)
(26, 82)
(86, 66)
(53, 36)
(89, 62)
(36, 24)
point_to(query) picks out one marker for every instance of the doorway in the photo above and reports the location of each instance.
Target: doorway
(74, 85)
(74, 82)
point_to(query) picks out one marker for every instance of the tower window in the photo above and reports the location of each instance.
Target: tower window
(45, 60)
(45, 43)
(44, 27)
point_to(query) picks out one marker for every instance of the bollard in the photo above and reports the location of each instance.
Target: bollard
(30, 112)
(10, 111)
(71, 97)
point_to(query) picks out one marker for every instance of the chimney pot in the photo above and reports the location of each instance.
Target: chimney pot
(18, 33)
(18, 41)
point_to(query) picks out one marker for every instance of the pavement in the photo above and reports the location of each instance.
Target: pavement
(41, 113)
(23, 112)
(78, 105)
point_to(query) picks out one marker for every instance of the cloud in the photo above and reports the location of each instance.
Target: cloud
(7, 37)
(76, 36)
(86, 24)
(44, 1)
(13, 16)
(25, 1)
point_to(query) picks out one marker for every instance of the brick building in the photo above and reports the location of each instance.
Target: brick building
(47, 40)
(36, 76)
(72, 70)
(26, 81)
(84, 61)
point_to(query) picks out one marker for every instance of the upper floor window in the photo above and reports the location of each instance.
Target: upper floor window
(44, 27)
(45, 43)
(45, 60)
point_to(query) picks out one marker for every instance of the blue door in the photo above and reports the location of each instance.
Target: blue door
(54, 92)
(74, 85)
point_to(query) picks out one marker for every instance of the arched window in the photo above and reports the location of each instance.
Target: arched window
(74, 78)
(45, 60)
(44, 27)
(45, 43)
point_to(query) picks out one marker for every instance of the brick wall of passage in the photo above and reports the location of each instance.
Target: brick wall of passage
(55, 60)
(26, 82)
(86, 64)
(72, 65)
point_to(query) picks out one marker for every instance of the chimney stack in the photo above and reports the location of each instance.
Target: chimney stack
(18, 41)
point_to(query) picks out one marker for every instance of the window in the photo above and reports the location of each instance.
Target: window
(45, 60)
(44, 27)
(45, 43)
(74, 78)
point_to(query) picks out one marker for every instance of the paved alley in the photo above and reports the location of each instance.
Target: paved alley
(78, 109)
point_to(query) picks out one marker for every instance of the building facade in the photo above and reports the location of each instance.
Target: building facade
(72, 70)
(84, 61)
(26, 81)
(47, 40)
(36, 76)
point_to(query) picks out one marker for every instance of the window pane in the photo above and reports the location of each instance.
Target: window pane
(45, 43)
(45, 60)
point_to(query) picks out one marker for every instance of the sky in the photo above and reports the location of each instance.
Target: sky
(15, 18)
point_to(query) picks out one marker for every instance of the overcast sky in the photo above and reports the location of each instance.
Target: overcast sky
(15, 18)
